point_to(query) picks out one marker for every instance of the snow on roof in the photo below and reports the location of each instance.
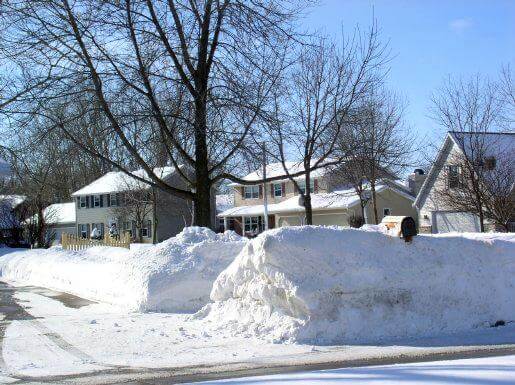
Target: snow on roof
(498, 144)
(12, 201)
(59, 213)
(224, 202)
(341, 199)
(118, 181)
(276, 169)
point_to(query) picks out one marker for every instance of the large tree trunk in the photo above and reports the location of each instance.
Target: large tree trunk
(202, 209)
(308, 207)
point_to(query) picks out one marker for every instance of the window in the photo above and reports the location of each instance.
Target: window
(127, 227)
(96, 200)
(252, 225)
(453, 176)
(145, 231)
(83, 202)
(386, 211)
(221, 224)
(113, 200)
(302, 186)
(251, 192)
(278, 190)
(99, 227)
(83, 229)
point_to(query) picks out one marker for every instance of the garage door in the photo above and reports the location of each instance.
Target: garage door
(332, 219)
(446, 222)
(289, 221)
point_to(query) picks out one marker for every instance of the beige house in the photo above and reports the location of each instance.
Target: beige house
(332, 202)
(435, 216)
(119, 201)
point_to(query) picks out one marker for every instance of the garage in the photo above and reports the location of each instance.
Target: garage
(447, 221)
(289, 221)
(330, 219)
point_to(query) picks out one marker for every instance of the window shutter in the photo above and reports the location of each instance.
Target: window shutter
(78, 202)
(295, 189)
(78, 230)
(117, 199)
(88, 230)
(101, 200)
(315, 186)
(260, 191)
(149, 228)
(272, 190)
(102, 230)
(283, 189)
(108, 197)
(87, 201)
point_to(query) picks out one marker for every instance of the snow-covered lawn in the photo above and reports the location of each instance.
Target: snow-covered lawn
(477, 371)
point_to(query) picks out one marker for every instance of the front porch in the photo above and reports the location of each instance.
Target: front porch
(248, 225)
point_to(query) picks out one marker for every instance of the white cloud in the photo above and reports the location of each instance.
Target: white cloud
(460, 25)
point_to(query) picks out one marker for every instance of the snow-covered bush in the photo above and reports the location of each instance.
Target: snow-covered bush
(333, 285)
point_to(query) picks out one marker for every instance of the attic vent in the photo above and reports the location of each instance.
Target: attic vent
(490, 163)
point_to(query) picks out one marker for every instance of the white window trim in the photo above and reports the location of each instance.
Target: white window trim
(280, 190)
(96, 199)
(250, 222)
(113, 202)
(82, 202)
(146, 228)
(389, 211)
(84, 230)
(251, 192)
(302, 186)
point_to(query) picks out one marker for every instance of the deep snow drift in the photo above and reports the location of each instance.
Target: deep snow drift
(335, 285)
(175, 275)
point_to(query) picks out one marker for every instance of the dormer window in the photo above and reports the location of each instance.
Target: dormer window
(251, 192)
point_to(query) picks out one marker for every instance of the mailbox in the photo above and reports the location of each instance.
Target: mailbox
(401, 226)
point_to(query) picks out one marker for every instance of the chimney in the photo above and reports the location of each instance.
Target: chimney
(415, 180)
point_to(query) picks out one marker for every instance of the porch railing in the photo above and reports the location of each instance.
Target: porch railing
(73, 242)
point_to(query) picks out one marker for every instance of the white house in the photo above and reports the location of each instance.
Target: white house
(435, 216)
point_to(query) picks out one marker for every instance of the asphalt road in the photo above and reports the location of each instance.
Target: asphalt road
(11, 310)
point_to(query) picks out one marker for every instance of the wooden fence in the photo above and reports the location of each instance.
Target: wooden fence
(73, 242)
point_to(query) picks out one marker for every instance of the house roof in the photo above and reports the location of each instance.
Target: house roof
(12, 201)
(57, 214)
(341, 199)
(7, 204)
(501, 145)
(118, 181)
(276, 170)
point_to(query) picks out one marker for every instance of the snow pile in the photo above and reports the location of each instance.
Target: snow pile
(175, 275)
(333, 285)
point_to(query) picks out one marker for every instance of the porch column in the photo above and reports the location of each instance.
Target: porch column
(226, 224)
(242, 225)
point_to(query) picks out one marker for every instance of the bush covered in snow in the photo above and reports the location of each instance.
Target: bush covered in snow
(334, 285)
(175, 275)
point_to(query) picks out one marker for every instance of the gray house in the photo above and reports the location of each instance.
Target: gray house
(118, 201)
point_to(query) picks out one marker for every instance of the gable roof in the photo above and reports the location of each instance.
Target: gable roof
(276, 170)
(118, 181)
(497, 144)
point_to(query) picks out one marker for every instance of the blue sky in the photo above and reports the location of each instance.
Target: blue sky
(430, 40)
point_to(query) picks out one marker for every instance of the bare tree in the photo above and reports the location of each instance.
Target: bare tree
(470, 110)
(376, 144)
(321, 89)
(194, 74)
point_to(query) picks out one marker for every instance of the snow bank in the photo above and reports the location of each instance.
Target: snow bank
(175, 275)
(335, 285)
